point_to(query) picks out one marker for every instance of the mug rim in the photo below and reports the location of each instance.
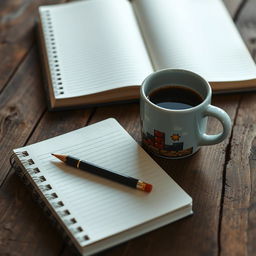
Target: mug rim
(194, 108)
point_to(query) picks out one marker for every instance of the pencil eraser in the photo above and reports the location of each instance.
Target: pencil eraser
(148, 187)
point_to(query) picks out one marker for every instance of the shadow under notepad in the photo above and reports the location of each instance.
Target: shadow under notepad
(93, 178)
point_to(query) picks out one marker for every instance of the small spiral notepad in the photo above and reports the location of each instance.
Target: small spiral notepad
(96, 213)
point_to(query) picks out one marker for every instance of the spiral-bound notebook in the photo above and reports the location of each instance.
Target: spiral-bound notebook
(99, 51)
(96, 213)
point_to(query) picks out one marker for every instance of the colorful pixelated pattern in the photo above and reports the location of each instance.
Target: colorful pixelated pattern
(156, 143)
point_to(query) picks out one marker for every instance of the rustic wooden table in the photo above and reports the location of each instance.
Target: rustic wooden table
(219, 178)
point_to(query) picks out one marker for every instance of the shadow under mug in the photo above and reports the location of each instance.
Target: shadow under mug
(178, 133)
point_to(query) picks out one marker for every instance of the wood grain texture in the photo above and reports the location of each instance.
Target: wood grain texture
(21, 106)
(56, 123)
(238, 217)
(238, 225)
(251, 230)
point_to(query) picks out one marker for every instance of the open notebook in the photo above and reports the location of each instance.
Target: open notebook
(99, 51)
(93, 212)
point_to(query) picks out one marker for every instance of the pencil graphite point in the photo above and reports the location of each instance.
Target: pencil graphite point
(63, 158)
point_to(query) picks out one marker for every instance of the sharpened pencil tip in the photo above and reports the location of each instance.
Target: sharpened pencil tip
(63, 158)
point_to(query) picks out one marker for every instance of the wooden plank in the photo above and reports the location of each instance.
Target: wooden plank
(21, 106)
(56, 123)
(251, 229)
(200, 176)
(238, 213)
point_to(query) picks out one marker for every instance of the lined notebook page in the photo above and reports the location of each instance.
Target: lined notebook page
(100, 206)
(197, 35)
(98, 46)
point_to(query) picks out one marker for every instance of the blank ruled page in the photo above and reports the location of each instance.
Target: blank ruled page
(100, 206)
(98, 46)
(197, 35)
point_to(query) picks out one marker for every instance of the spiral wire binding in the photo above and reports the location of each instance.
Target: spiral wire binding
(52, 53)
(52, 197)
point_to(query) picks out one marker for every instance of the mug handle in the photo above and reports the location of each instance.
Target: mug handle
(223, 117)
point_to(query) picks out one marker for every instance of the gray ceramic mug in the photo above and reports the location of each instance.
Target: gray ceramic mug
(178, 133)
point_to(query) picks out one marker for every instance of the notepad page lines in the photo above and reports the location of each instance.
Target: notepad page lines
(88, 196)
(77, 191)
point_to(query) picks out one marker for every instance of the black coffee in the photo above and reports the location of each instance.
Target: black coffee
(175, 97)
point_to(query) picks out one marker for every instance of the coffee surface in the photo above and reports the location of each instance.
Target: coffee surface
(175, 97)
